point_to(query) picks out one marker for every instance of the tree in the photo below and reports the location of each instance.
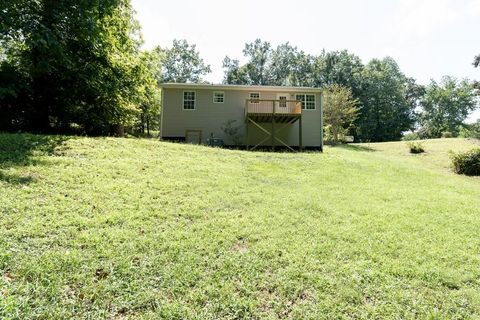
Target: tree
(338, 67)
(234, 73)
(290, 67)
(386, 110)
(340, 110)
(476, 61)
(182, 63)
(283, 66)
(446, 105)
(150, 94)
(78, 61)
(258, 54)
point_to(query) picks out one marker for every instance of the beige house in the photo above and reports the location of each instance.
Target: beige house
(249, 116)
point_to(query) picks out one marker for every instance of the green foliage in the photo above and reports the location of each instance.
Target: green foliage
(470, 130)
(88, 232)
(340, 110)
(233, 131)
(415, 147)
(411, 136)
(467, 163)
(447, 134)
(77, 65)
(182, 63)
(283, 66)
(446, 105)
(387, 110)
(386, 96)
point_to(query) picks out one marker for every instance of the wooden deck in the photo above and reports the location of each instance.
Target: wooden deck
(284, 112)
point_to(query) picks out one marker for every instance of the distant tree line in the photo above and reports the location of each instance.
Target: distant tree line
(78, 66)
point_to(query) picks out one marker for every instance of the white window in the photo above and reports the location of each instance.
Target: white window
(188, 100)
(218, 97)
(308, 101)
(254, 97)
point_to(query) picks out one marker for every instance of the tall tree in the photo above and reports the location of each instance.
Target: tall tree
(338, 67)
(340, 110)
(386, 111)
(234, 73)
(446, 105)
(182, 63)
(258, 54)
(79, 61)
(283, 66)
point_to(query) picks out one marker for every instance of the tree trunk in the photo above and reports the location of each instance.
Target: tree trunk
(119, 130)
(148, 125)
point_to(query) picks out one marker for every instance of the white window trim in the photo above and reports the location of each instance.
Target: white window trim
(305, 97)
(222, 92)
(250, 97)
(194, 100)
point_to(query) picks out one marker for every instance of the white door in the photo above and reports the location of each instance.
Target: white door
(282, 97)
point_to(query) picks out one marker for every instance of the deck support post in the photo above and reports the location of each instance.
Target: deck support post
(247, 122)
(300, 142)
(273, 125)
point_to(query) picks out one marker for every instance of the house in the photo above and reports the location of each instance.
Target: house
(249, 116)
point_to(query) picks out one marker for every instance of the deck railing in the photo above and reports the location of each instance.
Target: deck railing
(262, 106)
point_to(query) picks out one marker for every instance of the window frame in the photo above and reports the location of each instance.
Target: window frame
(304, 101)
(194, 100)
(223, 96)
(250, 97)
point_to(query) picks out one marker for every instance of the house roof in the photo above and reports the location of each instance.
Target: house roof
(237, 87)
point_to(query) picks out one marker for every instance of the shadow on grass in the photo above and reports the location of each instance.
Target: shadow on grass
(356, 147)
(20, 149)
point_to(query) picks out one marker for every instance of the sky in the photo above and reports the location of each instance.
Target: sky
(427, 38)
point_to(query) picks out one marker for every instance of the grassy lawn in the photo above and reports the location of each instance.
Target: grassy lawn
(137, 228)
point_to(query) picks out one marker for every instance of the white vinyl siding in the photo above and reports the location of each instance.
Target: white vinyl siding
(218, 97)
(188, 100)
(308, 101)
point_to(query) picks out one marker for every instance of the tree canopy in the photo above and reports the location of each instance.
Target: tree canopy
(446, 105)
(182, 63)
(73, 64)
(340, 110)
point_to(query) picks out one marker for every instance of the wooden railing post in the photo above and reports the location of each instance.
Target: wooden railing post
(273, 125)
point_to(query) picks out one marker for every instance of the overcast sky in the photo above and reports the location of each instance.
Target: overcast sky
(427, 38)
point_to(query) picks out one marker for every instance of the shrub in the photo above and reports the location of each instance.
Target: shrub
(447, 134)
(411, 136)
(467, 163)
(415, 147)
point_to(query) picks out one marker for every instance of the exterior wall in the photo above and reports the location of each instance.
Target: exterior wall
(211, 117)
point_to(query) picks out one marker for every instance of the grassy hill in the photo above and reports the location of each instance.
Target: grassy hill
(127, 228)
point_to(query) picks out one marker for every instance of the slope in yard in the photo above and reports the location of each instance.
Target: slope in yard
(104, 227)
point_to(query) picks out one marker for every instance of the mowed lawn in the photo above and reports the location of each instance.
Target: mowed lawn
(137, 228)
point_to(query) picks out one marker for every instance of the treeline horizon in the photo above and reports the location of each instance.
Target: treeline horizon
(80, 68)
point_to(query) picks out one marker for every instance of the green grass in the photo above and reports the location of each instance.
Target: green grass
(137, 228)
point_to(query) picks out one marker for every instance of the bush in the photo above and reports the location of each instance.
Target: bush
(411, 136)
(416, 147)
(447, 134)
(467, 163)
